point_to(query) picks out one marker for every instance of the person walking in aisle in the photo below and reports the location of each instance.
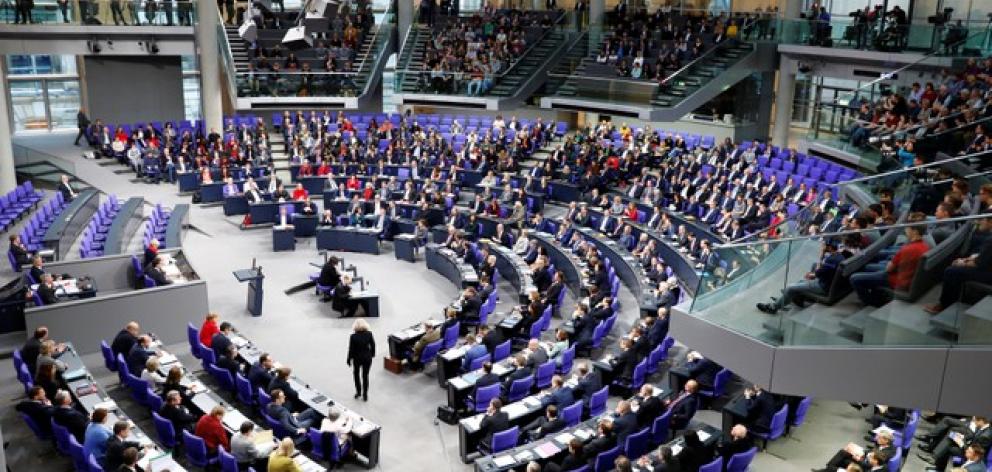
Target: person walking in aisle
(361, 351)
(83, 123)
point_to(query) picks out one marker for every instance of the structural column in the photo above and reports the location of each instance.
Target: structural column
(208, 49)
(596, 11)
(783, 101)
(8, 179)
(404, 19)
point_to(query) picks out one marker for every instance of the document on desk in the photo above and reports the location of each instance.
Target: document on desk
(676, 449)
(459, 383)
(564, 438)
(501, 370)
(108, 405)
(239, 341)
(583, 434)
(532, 402)
(473, 422)
(515, 410)
(263, 437)
(547, 449)
(703, 435)
(524, 456)
(504, 461)
(166, 359)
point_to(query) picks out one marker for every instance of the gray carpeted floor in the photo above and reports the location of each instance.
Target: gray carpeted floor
(302, 332)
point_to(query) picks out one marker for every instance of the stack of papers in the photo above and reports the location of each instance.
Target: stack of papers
(703, 435)
(107, 404)
(504, 461)
(524, 456)
(564, 438)
(547, 450)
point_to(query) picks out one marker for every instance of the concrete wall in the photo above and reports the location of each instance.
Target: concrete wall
(115, 84)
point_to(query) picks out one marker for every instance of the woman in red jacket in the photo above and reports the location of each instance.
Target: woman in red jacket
(209, 329)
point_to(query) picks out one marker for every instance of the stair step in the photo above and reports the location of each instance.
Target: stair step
(949, 319)
(856, 322)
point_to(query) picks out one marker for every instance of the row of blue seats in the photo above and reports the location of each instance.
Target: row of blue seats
(17, 203)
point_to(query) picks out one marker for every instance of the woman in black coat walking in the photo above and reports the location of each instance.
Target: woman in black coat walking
(361, 351)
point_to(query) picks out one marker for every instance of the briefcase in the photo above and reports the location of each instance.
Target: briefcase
(393, 365)
(447, 414)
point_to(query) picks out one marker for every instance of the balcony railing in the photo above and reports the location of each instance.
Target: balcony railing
(101, 12)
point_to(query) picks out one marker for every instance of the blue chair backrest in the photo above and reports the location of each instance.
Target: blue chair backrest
(154, 401)
(222, 375)
(637, 444)
(207, 356)
(193, 336)
(720, 382)
(263, 399)
(605, 459)
(640, 371)
(108, 356)
(572, 414)
(94, 465)
(777, 426)
(243, 390)
(659, 428)
(506, 439)
(567, 358)
(484, 395)
(896, 461)
(478, 361)
(715, 466)
(78, 455)
(739, 462)
(61, 437)
(451, 335)
(801, 410)
(196, 449)
(597, 403)
(502, 351)
(430, 351)
(535, 330)
(228, 463)
(520, 388)
(166, 432)
(542, 378)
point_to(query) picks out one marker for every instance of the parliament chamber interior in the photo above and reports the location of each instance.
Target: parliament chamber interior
(496, 235)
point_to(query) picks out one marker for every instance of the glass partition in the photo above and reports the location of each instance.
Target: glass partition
(100, 12)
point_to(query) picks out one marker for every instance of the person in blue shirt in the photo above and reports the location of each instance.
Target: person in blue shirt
(97, 434)
(475, 351)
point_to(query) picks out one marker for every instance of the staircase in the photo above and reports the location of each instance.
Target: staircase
(721, 66)
(510, 83)
(412, 59)
(558, 82)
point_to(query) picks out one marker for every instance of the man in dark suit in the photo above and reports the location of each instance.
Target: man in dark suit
(222, 340)
(738, 442)
(625, 422)
(588, 384)
(604, 440)
(623, 362)
(522, 371)
(151, 251)
(47, 290)
(550, 423)
(125, 339)
(229, 361)
(488, 377)
(117, 444)
(281, 381)
(140, 352)
(649, 406)
(494, 422)
(174, 411)
(852, 453)
(536, 354)
(554, 290)
(684, 406)
(701, 369)
(38, 408)
(66, 189)
(294, 423)
(329, 276)
(258, 373)
(559, 395)
(68, 417)
(20, 252)
(955, 442)
(156, 273)
(761, 407)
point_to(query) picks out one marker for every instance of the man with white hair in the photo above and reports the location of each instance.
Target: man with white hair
(339, 424)
(738, 442)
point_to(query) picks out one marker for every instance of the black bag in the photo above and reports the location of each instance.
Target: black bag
(197, 198)
(447, 414)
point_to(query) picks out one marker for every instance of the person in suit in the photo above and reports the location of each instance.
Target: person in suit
(157, 273)
(140, 352)
(295, 423)
(624, 361)
(37, 270)
(701, 369)
(342, 300)
(738, 442)
(574, 460)
(649, 406)
(493, 422)
(855, 454)
(683, 406)
(554, 289)
(589, 383)
(125, 339)
(38, 408)
(174, 411)
(761, 407)
(431, 334)
(281, 381)
(47, 290)
(66, 189)
(65, 415)
(490, 338)
(625, 421)
(661, 461)
(222, 339)
(475, 350)
(247, 452)
(471, 304)
(974, 454)
(559, 394)
(605, 440)
(488, 377)
(32, 348)
(329, 276)
(522, 371)
(258, 373)
(22, 256)
(550, 423)
(117, 444)
(130, 456)
(361, 351)
(230, 361)
(955, 442)
(536, 355)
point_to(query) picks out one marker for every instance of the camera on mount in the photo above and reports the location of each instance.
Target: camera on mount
(941, 18)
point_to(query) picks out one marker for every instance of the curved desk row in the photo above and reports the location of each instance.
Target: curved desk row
(699, 229)
(401, 172)
(508, 262)
(69, 224)
(564, 261)
(348, 238)
(178, 219)
(445, 262)
(124, 225)
(626, 266)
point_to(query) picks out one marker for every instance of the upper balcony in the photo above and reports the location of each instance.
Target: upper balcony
(828, 342)
(109, 27)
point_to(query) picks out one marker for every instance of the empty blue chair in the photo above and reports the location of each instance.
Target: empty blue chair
(477, 363)
(196, 451)
(802, 408)
(502, 441)
(660, 427)
(263, 399)
(715, 466)
(502, 351)
(61, 438)
(243, 390)
(223, 377)
(519, 389)
(776, 428)
(430, 351)
(193, 337)
(637, 444)
(597, 402)
(94, 466)
(451, 336)
(719, 384)
(572, 414)
(542, 378)
(605, 459)
(656, 356)
(739, 462)
(155, 402)
(108, 356)
(566, 360)
(228, 463)
(78, 455)
(207, 357)
(165, 431)
(896, 461)
(483, 395)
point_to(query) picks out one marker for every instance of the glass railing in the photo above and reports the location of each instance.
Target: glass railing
(798, 290)
(227, 57)
(468, 82)
(844, 32)
(101, 12)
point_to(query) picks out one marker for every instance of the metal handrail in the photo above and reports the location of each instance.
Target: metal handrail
(836, 234)
(914, 168)
(365, 89)
(969, 176)
(232, 81)
(694, 61)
